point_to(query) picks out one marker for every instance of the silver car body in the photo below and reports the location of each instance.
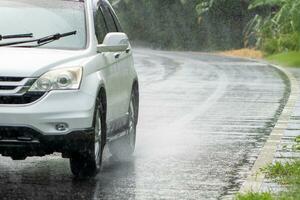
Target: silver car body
(113, 71)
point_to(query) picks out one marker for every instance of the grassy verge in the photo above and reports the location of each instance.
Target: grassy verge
(289, 59)
(296, 147)
(287, 174)
(284, 174)
(255, 196)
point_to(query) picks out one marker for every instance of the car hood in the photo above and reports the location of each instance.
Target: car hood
(32, 62)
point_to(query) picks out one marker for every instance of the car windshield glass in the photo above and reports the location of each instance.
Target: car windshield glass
(43, 18)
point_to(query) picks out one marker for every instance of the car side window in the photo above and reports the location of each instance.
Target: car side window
(111, 25)
(100, 25)
(117, 23)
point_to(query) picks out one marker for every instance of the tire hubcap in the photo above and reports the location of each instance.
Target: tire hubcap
(132, 125)
(98, 138)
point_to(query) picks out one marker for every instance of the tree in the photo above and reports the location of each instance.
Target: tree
(276, 25)
(185, 24)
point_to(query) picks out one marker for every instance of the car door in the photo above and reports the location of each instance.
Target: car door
(125, 62)
(121, 73)
(109, 71)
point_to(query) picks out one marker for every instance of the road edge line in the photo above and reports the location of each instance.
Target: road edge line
(255, 180)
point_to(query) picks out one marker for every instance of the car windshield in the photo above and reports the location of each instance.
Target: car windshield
(43, 18)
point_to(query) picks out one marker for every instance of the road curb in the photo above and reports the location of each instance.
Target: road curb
(255, 180)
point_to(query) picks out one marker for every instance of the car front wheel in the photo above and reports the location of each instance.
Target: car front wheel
(124, 147)
(88, 162)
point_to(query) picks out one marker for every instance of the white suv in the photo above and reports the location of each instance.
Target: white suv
(67, 82)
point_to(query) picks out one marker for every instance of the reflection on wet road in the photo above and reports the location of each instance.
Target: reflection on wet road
(203, 119)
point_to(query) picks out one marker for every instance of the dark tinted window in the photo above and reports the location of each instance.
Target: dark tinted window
(116, 21)
(109, 19)
(100, 27)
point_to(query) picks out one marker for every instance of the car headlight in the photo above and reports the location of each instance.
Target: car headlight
(60, 79)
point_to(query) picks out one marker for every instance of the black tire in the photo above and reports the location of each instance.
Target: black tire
(18, 157)
(87, 163)
(123, 148)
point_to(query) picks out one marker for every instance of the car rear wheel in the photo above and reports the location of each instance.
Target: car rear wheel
(124, 147)
(88, 162)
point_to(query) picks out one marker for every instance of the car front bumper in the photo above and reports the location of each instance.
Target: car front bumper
(72, 108)
(23, 142)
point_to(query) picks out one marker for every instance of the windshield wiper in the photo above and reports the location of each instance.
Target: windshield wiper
(41, 41)
(26, 35)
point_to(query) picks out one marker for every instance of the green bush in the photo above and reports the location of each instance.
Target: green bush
(283, 43)
(289, 42)
(276, 25)
(270, 46)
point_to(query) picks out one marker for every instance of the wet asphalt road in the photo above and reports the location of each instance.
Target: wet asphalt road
(203, 119)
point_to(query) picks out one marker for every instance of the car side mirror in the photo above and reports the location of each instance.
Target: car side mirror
(114, 42)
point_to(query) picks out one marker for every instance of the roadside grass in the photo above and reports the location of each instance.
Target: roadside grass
(297, 139)
(255, 196)
(296, 147)
(288, 59)
(286, 174)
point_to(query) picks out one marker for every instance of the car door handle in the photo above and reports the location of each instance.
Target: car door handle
(127, 50)
(117, 55)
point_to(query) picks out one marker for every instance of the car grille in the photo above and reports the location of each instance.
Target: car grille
(17, 133)
(12, 79)
(14, 90)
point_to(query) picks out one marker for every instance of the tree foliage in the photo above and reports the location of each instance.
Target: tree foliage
(276, 26)
(181, 24)
(272, 25)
